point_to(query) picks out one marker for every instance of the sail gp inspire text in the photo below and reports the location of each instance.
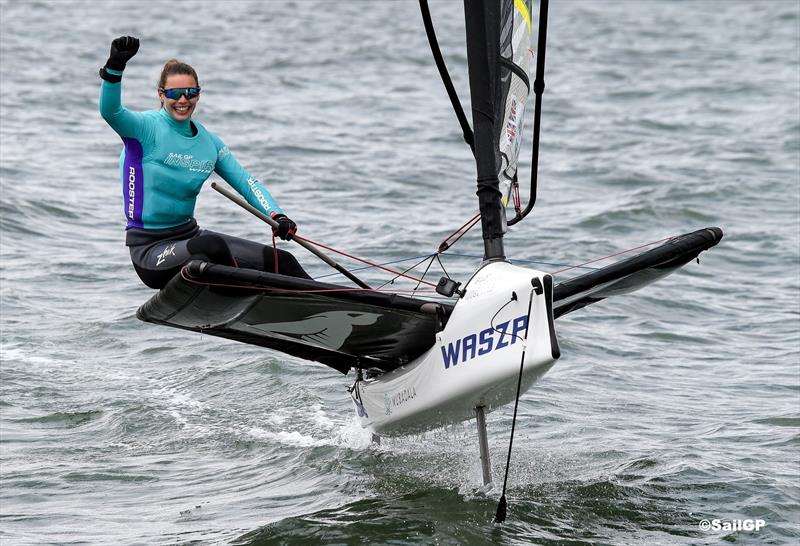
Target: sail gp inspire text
(189, 162)
(484, 342)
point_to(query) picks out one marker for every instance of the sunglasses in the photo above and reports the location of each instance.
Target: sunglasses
(177, 92)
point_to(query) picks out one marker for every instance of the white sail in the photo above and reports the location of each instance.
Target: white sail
(517, 55)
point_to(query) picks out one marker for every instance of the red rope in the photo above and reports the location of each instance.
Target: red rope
(274, 252)
(471, 223)
(398, 273)
(362, 260)
(611, 255)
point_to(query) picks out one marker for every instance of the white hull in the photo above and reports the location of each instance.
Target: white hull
(475, 360)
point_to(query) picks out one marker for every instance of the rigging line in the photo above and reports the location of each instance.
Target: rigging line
(382, 263)
(566, 267)
(426, 270)
(391, 281)
(514, 261)
(515, 68)
(469, 224)
(612, 255)
(274, 252)
(442, 266)
(500, 515)
(501, 332)
(515, 195)
(462, 226)
(362, 260)
(190, 280)
(469, 137)
(239, 200)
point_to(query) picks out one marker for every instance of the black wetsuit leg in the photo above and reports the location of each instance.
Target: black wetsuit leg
(156, 263)
(262, 257)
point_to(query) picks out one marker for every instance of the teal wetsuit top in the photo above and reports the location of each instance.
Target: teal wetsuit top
(163, 164)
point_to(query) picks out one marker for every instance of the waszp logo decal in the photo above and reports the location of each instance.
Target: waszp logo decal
(483, 342)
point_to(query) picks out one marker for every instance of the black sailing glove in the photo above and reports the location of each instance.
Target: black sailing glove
(122, 50)
(286, 228)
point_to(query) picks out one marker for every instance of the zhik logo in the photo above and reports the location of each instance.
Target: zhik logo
(169, 251)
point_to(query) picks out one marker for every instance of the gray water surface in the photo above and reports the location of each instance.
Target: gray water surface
(674, 405)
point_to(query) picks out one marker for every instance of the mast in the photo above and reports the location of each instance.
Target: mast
(499, 55)
(482, 19)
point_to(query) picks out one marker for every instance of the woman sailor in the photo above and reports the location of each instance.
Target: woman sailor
(166, 158)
